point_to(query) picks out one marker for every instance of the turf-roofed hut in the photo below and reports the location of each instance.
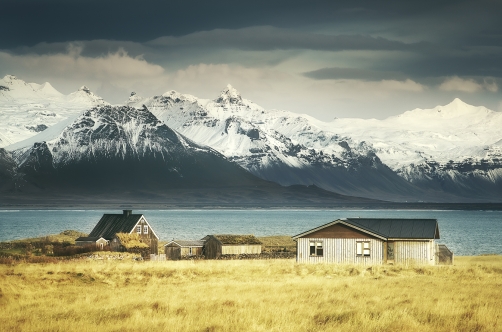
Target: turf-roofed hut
(178, 249)
(124, 232)
(229, 244)
(370, 241)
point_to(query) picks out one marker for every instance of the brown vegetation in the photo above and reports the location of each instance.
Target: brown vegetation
(273, 295)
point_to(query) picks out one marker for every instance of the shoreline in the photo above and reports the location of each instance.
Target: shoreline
(392, 206)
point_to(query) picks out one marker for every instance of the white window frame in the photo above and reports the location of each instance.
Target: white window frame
(318, 248)
(363, 249)
(138, 229)
(145, 229)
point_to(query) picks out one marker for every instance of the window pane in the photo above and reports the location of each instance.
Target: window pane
(319, 251)
(138, 229)
(366, 245)
(359, 248)
(366, 252)
(312, 248)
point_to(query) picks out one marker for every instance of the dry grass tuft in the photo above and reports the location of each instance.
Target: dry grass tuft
(273, 295)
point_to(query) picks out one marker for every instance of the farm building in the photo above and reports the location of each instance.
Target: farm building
(177, 249)
(229, 244)
(121, 232)
(370, 241)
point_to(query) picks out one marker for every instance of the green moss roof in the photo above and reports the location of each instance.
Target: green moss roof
(237, 239)
(131, 240)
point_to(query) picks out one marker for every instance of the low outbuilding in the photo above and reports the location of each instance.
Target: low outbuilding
(370, 241)
(178, 249)
(230, 244)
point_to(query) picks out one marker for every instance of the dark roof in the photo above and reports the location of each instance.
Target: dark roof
(88, 238)
(236, 239)
(187, 243)
(111, 224)
(389, 228)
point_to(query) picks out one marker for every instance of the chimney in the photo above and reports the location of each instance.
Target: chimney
(127, 213)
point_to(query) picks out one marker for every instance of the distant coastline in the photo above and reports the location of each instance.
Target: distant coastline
(252, 206)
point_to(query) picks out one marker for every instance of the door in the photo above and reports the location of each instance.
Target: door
(390, 252)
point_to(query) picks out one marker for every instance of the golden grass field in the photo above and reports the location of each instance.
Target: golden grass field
(260, 295)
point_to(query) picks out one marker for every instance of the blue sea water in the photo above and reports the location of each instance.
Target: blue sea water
(464, 232)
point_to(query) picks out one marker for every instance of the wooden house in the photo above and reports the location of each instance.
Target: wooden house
(177, 249)
(370, 241)
(230, 244)
(121, 231)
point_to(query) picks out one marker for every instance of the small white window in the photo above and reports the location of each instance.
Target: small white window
(363, 248)
(145, 229)
(138, 229)
(316, 248)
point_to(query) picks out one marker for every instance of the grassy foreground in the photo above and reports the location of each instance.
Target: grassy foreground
(275, 295)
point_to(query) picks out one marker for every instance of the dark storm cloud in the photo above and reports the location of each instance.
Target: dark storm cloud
(354, 73)
(30, 22)
(269, 38)
(422, 39)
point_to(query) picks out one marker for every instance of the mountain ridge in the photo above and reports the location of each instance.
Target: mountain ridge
(448, 153)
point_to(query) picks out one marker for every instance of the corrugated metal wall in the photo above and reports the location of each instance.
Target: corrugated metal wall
(339, 251)
(414, 252)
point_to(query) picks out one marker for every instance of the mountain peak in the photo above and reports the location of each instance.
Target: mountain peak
(229, 96)
(85, 89)
(9, 78)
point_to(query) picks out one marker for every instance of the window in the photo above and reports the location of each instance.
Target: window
(145, 229)
(316, 248)
(190, 251)
(363, 248)
(138, 229)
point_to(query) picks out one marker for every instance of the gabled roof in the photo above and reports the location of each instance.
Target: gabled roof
(233, 239)
(387, 228)
(111, 224)
(187, 243)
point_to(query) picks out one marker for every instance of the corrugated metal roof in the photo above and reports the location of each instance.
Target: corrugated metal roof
(388, 228)
(398, 228)
(111, 224)
(187, 243)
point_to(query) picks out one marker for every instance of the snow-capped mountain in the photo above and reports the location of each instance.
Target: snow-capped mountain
(118, 147)
(29, 108)
(448, 153)
(420, 155)
(116, 153)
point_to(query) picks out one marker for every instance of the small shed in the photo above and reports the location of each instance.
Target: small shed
(178, 249)
(230, 244)
(99, 242)
(370, 241)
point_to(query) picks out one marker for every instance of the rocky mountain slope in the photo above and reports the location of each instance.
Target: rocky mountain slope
(450, 153)
(124, 153)
(426, 155)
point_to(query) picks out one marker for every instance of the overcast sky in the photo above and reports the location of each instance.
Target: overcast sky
(324, 58)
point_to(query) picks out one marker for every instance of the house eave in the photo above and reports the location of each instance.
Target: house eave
(338, 221)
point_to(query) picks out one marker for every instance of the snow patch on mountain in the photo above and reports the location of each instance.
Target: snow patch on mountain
(29, 108)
